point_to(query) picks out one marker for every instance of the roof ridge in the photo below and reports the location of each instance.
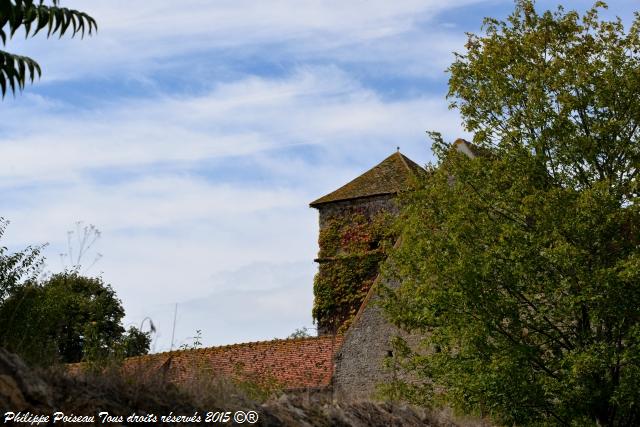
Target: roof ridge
(228, 346)
(406, 160)
(406, 165)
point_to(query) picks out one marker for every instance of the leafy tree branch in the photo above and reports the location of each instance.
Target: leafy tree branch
(33, 17)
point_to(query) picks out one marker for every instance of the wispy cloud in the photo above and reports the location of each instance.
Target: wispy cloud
(140, 37)
(320, 106)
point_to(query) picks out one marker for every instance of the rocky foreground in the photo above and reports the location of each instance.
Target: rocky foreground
(30, 397)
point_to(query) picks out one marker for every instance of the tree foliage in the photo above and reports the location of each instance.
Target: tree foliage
(33, 17)
(300, 333)
(17, 267)
(523, 264)
(69, 318)
(135, 342)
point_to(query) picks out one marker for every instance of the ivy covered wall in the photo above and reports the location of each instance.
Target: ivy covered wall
(354, 239)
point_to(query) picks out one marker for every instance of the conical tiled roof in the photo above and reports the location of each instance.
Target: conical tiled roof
(390, 176)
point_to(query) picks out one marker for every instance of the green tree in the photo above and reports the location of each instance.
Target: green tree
(17, 267)
(135, 342)
(300, 333)
(522, 265)
(69, 318)
(34, 16)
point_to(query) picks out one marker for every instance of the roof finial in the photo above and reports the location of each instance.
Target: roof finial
(398, 147)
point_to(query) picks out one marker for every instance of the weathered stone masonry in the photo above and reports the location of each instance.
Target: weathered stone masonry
(366, 349)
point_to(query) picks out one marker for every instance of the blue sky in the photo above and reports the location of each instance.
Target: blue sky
(194, 134)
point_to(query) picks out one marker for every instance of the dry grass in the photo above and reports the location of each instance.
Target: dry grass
(142, 391)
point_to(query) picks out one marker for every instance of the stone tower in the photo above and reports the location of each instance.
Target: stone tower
(355, 233)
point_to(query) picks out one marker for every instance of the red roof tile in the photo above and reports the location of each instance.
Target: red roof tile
(291, 363)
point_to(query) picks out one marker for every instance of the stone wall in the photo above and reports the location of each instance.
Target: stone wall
(359, 363)
(369, 205)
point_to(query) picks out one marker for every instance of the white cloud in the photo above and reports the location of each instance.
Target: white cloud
(137, 37)
(312, 106)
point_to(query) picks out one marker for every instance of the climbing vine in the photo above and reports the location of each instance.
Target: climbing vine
(352, 246)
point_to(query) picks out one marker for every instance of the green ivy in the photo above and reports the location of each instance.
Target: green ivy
(352, 246)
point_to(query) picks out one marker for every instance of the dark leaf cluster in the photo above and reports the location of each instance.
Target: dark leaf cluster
(33, 17)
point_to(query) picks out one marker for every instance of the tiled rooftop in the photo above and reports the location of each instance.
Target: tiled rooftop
(390, 176)
(289, 363)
